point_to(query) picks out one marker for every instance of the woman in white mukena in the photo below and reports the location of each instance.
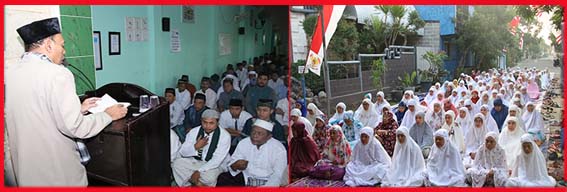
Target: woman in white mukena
(464, 120)
(533, 120)
(312, 113)
(339, 115)
(515, 111)
(489, 166)
(488, 119)
(509, 139)
(530, 168)
(370, 161)
(408, 165)
(455, 132)
(366, 114)
(381, 102)
(444, 164)
(475, 139)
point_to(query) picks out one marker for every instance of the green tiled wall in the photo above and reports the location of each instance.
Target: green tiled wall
(76, 27)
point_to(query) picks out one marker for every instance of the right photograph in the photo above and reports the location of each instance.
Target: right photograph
(426, 96)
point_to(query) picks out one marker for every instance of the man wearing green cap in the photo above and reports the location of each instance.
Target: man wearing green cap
(202, 153)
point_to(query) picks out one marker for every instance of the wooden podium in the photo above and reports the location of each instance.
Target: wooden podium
(133, 151)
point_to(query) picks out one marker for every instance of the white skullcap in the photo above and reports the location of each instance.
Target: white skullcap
(209, 113)
(263, 124)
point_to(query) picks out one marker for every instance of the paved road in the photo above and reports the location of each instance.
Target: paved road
(541, 64)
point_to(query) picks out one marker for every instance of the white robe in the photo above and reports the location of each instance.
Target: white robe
(242, 75)
(409, 118)
(435, 120)
(380, 106)
(530, 170)
(510, 142)
(485, 161)
(283, 104)
(275, 84)
(176, 114)
(533, 121)
(183, 167)
(211, 97)
(369, 163)
(368, 118)
(430, 98)
(174, 145)
(184, 98)
(445, 165)
(268, 162)
(408, 165)
(313, 118)
(466, 123)
(227, 121)
(491, 123)
(475, 138)
(457, 138)
(42, 116)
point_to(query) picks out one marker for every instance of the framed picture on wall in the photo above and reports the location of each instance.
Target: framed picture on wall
(114, 43)
(96, 47)
(188, 14)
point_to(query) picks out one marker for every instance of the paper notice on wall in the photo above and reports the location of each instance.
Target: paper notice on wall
(175, 41)
(136, 28)
(225, 44)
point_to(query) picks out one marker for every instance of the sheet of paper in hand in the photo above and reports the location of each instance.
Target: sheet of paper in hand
(105, 102)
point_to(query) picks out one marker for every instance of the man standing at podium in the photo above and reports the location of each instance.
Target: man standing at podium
(202, 153)
(44, 115)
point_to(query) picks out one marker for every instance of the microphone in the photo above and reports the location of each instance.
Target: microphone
(83, 78)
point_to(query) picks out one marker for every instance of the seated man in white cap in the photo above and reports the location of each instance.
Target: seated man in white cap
(202, 153)
(259, 160)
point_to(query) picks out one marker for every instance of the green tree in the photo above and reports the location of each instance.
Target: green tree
(529, 15)
(378, 33)
(485, 36)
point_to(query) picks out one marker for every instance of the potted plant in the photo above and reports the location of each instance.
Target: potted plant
(408, 81)
(436, 71)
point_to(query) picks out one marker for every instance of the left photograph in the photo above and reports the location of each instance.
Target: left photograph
(178, 96)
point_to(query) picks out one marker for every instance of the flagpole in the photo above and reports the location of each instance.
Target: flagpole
(324, 66)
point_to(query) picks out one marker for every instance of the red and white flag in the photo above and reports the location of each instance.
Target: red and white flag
(332, 14)
(513, 25)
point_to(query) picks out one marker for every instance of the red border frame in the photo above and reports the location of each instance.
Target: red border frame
(260, 2)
